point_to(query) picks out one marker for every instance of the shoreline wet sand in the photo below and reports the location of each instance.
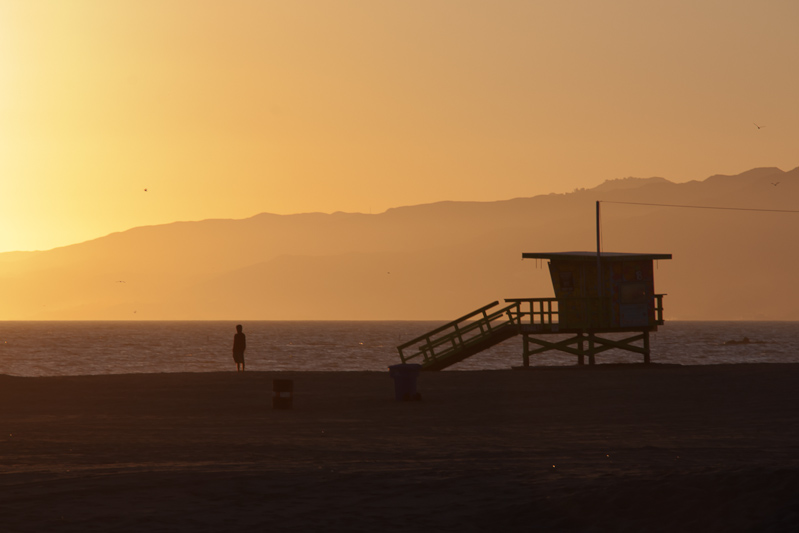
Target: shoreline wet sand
(604, 448)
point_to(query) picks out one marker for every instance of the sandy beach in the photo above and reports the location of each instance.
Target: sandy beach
(608, 448)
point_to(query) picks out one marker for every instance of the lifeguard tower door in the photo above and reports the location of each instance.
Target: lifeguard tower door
(633, 305)
(634, 279)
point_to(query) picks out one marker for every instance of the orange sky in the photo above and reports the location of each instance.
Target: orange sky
(228, 109)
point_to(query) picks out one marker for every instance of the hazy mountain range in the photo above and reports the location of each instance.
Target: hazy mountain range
(434, 261)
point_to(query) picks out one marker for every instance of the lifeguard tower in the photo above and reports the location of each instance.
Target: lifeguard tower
(595, 294)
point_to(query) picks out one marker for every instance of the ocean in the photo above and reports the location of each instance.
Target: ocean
(84, 348)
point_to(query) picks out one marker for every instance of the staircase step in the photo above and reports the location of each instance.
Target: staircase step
(447, 359)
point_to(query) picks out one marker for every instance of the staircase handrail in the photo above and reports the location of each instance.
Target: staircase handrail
(447, 325)
(458, 332)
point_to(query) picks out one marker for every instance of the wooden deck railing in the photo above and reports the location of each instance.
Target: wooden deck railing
(586, 312)
(536, 310)
(659, 309)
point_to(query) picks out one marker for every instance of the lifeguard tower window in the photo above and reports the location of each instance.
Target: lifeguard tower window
(566, 281)
(633, 293)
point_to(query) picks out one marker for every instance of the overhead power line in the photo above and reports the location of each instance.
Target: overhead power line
(706, 207)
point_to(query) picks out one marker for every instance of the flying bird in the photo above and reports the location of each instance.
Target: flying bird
(145, 190)
(775, 183)
(758, 127)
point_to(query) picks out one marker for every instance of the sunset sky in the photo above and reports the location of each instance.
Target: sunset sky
(229, 109)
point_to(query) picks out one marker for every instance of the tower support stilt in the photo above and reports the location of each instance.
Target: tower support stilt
(585, 344)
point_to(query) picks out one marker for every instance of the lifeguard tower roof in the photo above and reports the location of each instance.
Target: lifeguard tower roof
(591, 256)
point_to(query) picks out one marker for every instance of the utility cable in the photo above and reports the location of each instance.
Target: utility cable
(705, 207)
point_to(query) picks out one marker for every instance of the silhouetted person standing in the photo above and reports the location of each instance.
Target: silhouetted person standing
(239, 345)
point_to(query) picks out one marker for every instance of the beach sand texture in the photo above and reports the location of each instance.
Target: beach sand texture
(607, 448)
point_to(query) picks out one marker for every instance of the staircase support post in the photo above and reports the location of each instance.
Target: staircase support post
(526, 350)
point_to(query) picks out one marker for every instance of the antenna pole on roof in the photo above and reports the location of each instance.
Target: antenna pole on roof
(598, 254)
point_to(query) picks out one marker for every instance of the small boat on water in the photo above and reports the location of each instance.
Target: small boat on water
(745, 340)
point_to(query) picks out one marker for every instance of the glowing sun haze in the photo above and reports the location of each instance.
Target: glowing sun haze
(229, 109)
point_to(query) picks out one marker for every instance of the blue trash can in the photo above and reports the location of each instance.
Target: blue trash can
(404, 377)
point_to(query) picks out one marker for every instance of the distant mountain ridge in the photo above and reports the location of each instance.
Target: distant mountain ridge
(430, 261)
(627, 183)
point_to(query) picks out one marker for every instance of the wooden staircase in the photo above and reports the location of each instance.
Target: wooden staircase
(455, 341)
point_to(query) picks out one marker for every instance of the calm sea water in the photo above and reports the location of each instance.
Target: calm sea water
(80, 348)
